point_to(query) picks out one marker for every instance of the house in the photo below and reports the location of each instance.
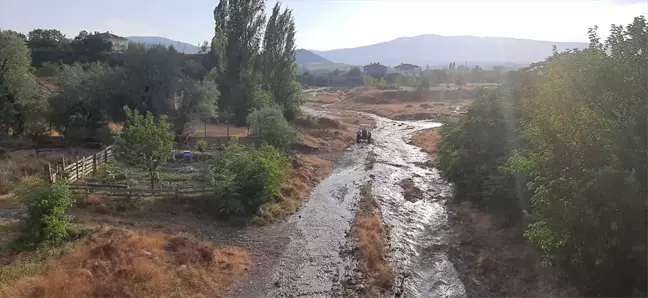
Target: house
(119, 44)
(375, 70)
(409, 70)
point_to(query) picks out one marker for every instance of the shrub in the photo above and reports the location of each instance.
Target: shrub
(46, 219)
(246, 179)
(202, 145)
(272, 127)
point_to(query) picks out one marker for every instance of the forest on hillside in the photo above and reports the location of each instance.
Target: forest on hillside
(560, 151)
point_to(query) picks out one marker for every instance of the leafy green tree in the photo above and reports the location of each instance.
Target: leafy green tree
(22, 100)
(272, 127)
(382, 83)
(145, 142)
(246, 179)
(198, 101)
(47, 219)
(278, 61)
(398, 80)
(79, 109)
(368, 81)
(573, 127)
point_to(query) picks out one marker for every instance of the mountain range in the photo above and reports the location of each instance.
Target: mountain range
(182, 47)
(310, 61)
(423, 50)
(435, 50)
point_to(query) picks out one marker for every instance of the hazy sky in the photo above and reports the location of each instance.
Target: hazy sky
(329, 24)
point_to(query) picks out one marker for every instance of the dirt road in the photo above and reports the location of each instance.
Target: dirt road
(316, 261)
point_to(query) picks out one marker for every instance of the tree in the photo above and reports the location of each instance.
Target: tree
(278, 61)
(398, 80)
(145, 142)
(235, 46)
(80, 107)
(272, 127)
(22, 100)
(197, 100)
(368, 81)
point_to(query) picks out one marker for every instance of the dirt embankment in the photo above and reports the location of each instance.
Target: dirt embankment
(440, 104)
(333, 133)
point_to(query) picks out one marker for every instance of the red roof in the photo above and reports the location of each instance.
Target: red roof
(109, 35)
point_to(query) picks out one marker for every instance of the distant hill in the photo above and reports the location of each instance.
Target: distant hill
(440, 50)
(311, 61)
(154, 40)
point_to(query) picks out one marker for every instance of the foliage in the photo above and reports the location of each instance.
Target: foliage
(198, 100)
(145, 142)
(78, 110)
(472, 151)
(246, 179)
(22, 100)
(273, 128)
(278, 60)
(580, 116)
(368, 81)
(202, 145)
(47, 219)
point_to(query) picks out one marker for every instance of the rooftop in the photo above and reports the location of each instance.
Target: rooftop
(407, 66)
(110, 35)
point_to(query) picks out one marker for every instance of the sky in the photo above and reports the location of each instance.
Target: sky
(333, 24)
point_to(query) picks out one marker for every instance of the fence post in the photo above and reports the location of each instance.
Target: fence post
(94, 162)
(76, 166)
(105, 154)
(49, 171)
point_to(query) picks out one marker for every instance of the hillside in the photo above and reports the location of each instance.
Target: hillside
(153, 40)
(311, 61)
(437, 50)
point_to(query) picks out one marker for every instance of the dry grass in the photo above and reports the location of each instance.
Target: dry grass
(305, 173)
(372, 241)
(325, 97)
(428, 140)
(122, 263)
(508, 265)
(331, 135)
(439, 104)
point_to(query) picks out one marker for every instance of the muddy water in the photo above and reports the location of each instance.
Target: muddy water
(317, 261)
(419, 230)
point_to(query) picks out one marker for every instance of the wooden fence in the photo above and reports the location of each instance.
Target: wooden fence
(80, 168)
(116, 190)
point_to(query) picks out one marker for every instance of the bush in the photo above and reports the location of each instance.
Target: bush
(272, 127)
(246, 179)
(202, 145)
(46, 219)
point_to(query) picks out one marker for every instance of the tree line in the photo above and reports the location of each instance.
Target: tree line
(249, 65)
(561, 151)
(459, 75)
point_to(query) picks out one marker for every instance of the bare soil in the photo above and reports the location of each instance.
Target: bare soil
(440, 104)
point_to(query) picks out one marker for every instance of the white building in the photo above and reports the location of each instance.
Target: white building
(408, 70)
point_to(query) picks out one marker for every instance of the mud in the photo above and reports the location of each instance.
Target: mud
(318, 259)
